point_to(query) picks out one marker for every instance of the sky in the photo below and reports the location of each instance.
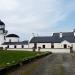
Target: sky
(41, 17)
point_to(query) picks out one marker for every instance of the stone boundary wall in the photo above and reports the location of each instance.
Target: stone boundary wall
(55, 50)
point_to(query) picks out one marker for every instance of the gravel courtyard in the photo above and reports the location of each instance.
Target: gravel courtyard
(55, 64)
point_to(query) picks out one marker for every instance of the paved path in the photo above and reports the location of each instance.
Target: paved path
(55, 64)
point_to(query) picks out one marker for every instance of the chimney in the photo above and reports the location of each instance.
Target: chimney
(60, 34)
(74, 31)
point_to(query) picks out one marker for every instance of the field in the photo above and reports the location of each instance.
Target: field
(8, 58)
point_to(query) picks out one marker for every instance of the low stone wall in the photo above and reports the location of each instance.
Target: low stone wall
(56, 50)
(20, 49)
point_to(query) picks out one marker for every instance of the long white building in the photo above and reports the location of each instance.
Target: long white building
(58, 42)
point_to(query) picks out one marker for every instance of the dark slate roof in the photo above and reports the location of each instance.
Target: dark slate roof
(71, 34)
(69, 39)
(1, 23)
(55, 34)
(12, 35)
(16, 43)
(45, 40)
(40, 40)
(68, 36)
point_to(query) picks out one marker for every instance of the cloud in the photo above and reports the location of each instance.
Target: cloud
(28, 16)
(7, 4)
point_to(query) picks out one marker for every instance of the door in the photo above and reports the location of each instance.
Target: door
(43, 46)
(65, 45)
(35, 45)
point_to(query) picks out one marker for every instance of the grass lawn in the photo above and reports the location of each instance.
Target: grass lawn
(8, 58)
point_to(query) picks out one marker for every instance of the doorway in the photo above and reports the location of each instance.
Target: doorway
(65, 45)
(43, 46)
(35, 45)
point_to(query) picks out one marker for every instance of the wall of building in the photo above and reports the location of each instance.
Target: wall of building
(20, 49)
(47, 45)
(65, 42)
(57, 45)
(31, 45)
(13, 39)
(17, 46)
(26, 46)
(73, 45)
(1, 38)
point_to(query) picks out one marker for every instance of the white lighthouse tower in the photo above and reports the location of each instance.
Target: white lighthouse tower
(3, 32)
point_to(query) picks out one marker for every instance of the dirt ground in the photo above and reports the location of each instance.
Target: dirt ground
(55, 64)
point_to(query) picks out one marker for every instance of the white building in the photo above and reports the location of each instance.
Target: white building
(3, 32)
(10, 41)
(58, 42)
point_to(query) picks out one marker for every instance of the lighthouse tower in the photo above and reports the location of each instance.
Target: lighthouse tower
(3, 32)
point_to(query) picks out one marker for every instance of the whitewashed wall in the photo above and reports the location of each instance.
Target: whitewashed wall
(47, 45)
(57, 45)
(18, 46)
(13, 39)
(65, 42)
(31, 45)
(1, 38)
(26, 46)
(20, 49)
(12, 46)
(4, 46)
(44, 50)
(73, 44)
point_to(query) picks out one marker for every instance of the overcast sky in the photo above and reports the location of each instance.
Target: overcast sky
(41, 17)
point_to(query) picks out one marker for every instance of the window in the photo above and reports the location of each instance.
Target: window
(52, 45)
(8, 46)
(43, 46)
(9, 40)
(15, 46)
(4, 38)
(22, 46)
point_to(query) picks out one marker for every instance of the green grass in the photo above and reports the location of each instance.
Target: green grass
(8, 58)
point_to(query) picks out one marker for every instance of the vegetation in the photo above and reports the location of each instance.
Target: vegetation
(8, 58)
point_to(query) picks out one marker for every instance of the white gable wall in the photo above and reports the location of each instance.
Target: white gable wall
(65, 42)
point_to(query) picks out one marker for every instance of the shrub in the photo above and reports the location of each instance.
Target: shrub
(1, 48)
(39, 49)
(34, 49)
